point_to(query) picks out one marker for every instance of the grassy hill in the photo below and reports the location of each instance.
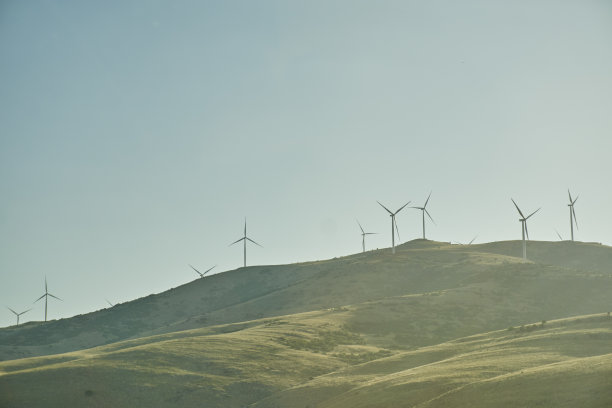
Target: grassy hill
(435, 325)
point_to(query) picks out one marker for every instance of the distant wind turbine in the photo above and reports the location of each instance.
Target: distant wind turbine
(393, 224)
(109, 303)
(423, 211)
(572, 213)
(18, 314)
(523, 221)
(363, 234)
(469, 243)
(245, 239)
(46, 296)
(202, 273)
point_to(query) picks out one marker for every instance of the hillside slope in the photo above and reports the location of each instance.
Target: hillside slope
(313, 359)
(485, 289)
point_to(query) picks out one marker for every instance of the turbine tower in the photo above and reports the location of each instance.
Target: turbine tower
(46, 296)
(245, 239)
(17, 314)
(393, 224)
(523, 221)
(424, 210)
(363, 234)
(572, 213)
(203, 273)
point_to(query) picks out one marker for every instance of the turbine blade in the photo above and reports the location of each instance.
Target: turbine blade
(518, 209)
(54, 297)
(198, 272)
(360, 227)
(570, 195)
(208, 270)
(107, 301)
(473, 239)
(389, 211)
(25, 311)
(370, 233)
(46, 284)
(559, 235)
(426, 201)
(396, 229)
(401, 208)
(575, 220)
(12, 310)
(526, 230)
(254, 242)
(237, 241)
(533, 213)
(427, 212)
(40, 298)
(575, 199)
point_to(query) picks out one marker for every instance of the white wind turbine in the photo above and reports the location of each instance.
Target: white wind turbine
(46, 296)
(523, 221)
(393, 224)
(572, 213)
(424, 210)
(203, 273)
(245, 239)
(363, 234)
(18, 314)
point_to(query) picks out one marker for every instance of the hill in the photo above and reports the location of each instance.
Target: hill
(434, 325)
(419, 266)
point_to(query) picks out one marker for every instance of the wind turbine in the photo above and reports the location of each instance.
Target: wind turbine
(469, 243)
(572, 213)
(245, 239)
(46, 296)
(17, 314)
(424, 210)
(393, 224)
(202, 273)
(523, 221)
(363, 234)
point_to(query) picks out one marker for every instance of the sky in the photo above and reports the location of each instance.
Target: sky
(136, 136)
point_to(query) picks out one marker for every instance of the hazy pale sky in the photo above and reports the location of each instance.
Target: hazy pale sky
(135, 136)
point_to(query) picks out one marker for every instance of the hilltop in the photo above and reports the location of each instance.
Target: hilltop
(435, 324)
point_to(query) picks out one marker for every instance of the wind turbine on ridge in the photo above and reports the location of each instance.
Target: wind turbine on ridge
(202, 273)
(523, 221)
(572, 212)
(46, 296)
(424, 210)
(393, 224)
(363, 234)
(245, 239)
(17, 314)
